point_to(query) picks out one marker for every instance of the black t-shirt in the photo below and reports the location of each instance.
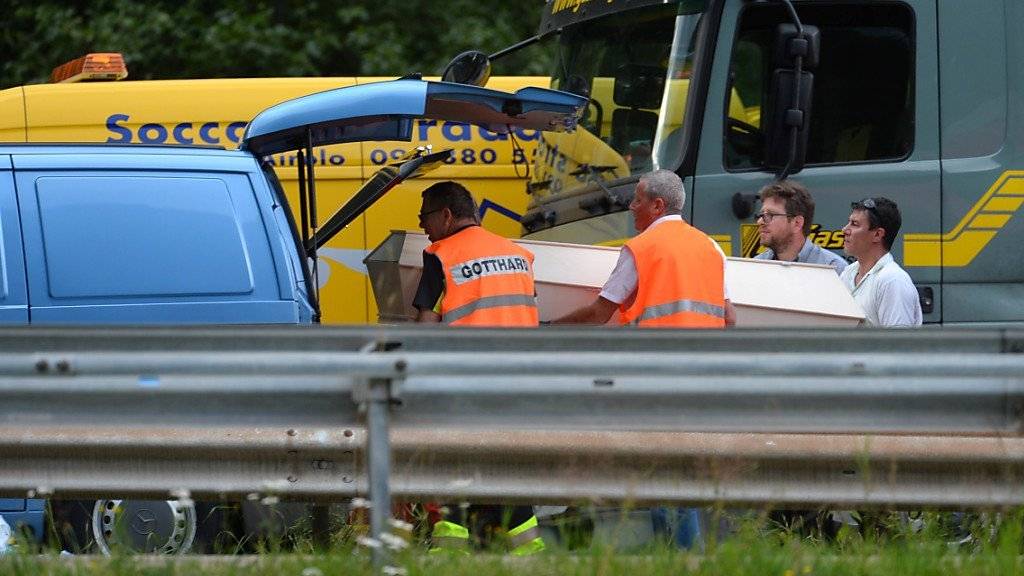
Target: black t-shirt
(431, 288)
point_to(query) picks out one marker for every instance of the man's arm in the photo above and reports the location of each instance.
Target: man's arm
(597, 312)
(621, 285)
(730, 311)
(430, 290)
(730, 314)
(898, 303)
(428, 316)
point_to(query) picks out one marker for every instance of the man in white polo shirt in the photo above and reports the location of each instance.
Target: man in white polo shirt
(883, 289)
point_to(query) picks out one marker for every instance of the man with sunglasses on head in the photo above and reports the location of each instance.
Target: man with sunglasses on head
(784, 222)
(883, 289)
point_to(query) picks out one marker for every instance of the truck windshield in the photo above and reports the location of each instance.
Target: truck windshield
(635, 67)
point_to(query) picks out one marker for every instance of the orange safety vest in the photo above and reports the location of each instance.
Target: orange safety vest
(488, 280)
(681, 279)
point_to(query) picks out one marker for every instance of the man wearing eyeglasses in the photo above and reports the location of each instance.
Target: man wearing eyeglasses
(882, 288)
(785, 219)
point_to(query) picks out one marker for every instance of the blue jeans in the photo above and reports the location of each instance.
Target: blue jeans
(682, 524)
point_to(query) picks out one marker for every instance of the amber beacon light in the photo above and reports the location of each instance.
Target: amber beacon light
(98, 66)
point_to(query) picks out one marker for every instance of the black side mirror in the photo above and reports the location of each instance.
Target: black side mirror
(789, 99)
(472, 67)
(639, 86)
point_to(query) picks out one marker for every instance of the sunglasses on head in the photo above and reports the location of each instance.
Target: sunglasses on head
(869, 206)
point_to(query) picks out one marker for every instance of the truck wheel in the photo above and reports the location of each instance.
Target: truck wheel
(146, 526)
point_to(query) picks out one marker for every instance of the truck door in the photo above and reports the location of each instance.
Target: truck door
(980, 50)
(13, 294)
(874, 123)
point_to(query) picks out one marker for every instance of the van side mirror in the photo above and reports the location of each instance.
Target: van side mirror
(789, 98)
(472, 68)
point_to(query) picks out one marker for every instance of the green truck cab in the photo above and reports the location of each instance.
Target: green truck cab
(916, 100)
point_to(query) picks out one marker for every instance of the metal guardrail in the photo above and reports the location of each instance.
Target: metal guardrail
(844, 417)
(536, 467)
(417, 338)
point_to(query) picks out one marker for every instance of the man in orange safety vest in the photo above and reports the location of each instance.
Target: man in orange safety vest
(669, 275)
(472, 277)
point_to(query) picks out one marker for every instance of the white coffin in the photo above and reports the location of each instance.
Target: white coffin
(568, 276)
(771, 293)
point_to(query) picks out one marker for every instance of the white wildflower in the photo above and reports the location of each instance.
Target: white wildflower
(368, 542)
(400, 525)
(393, 542)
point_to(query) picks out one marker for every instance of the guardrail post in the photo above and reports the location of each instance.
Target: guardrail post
(377, 395)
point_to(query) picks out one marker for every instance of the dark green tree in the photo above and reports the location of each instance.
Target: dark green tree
(234, 38)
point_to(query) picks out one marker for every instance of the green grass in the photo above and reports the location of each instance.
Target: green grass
(757, 548)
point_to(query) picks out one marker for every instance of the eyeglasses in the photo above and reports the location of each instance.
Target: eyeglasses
(767, 216)
(429, 212)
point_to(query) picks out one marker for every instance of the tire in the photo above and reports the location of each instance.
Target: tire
(144, 526)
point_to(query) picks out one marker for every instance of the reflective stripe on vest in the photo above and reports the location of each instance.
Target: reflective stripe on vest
(525, 538)
(670, 308)
(449, 536)
(489, 302)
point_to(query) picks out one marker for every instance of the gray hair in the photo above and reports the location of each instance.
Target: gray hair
(666, 185)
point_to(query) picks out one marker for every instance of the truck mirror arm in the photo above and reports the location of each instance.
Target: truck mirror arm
(796, 53)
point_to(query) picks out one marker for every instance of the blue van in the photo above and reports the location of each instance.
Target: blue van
(138, 234)
(141, 235)
(145, 234)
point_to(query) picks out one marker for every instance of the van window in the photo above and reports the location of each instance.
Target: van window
(140, 236)
(863, 102)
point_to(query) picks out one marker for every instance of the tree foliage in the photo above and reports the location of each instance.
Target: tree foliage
(237, 38)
